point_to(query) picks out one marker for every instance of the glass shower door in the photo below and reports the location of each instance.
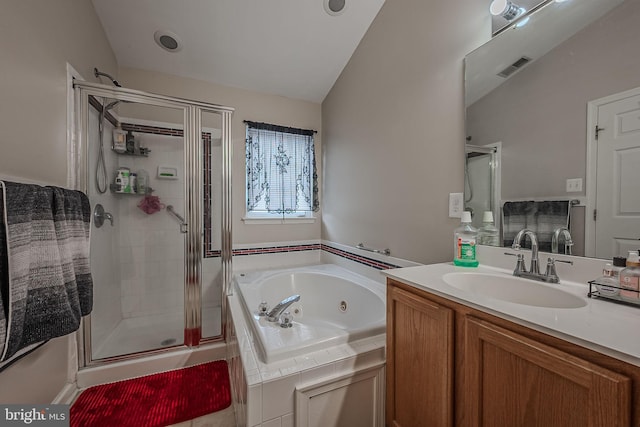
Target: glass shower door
(138, 254)
(214, 199)
(160, 168)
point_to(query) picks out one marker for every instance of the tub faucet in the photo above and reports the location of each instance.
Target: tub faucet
(568, 241)
(274, 314)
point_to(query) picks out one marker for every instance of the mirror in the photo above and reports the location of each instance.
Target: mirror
(568, 55)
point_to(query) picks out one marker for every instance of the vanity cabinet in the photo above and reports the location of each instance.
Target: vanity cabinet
(515, 381)
(419, 361)
(450, 364)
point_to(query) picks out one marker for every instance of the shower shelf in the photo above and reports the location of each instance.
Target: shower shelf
(126, 153)
(112, 187)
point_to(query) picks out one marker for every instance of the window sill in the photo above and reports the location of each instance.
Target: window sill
(292, 220)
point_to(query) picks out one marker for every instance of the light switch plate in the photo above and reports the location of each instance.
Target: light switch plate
(456, 205)
(574, 185)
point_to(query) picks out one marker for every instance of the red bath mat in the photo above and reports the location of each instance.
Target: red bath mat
(155, 400)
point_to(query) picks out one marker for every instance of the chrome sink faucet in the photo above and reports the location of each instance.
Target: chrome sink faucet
(568, 241)
(274, 314)
(550, 275)
(535, 268)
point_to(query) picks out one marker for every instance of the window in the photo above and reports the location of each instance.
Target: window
(281, 172)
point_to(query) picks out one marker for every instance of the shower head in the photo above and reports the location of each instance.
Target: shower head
(100, 73)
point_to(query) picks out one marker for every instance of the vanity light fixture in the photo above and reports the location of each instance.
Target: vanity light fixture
(506, 8)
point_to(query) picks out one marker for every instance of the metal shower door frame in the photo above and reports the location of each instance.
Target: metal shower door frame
(193, 191)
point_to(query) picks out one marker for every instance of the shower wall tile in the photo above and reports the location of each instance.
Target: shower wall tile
(130, 305)
(150, 251)
(104, 262)
(287, 420)
(132, 287)
(277, 422)
(211, 282)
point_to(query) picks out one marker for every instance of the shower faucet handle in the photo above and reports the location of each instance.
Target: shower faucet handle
(99, 216)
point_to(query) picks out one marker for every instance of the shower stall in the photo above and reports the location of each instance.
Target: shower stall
(157, 172)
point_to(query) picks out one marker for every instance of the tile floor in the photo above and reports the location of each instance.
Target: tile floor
(224, 418)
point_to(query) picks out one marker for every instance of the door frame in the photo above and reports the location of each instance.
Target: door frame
(592, 165)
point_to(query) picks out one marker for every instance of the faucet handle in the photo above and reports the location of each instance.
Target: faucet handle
(552, 261)
(520, 268)
(551, 274)
(263, 308)
(286, 320)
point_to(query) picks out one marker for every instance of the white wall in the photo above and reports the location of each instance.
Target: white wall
(393, 129)
(37, 39)
(252, 106)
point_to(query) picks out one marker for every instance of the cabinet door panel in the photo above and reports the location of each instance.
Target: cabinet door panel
(419, 361)
(515, 381)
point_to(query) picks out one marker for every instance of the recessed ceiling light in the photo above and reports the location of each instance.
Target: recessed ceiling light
(334, 7)
(168, 40)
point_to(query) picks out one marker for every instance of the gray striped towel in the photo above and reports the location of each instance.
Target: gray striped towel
(45, 277)
(541, 217)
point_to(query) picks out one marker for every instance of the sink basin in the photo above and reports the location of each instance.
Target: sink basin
(514, 290)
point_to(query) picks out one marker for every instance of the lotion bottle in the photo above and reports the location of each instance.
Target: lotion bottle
(630, 278)
(608, 285)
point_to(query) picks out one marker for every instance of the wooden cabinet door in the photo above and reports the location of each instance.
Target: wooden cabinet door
(511, 380)
(419, 361)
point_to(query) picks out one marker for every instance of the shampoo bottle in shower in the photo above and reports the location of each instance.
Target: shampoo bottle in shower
(131, 143)
(464, 241)
(142, 185)
(119, 141)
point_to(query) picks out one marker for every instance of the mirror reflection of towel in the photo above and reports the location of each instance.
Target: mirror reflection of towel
(542, 217)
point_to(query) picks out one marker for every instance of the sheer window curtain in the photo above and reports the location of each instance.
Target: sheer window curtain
(281, 170)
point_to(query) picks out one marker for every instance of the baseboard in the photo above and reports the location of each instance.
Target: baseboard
(66, 395)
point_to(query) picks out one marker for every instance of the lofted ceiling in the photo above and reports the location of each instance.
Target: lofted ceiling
(292, 48)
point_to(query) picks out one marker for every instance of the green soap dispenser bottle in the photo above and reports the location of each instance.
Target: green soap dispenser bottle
(464, 241)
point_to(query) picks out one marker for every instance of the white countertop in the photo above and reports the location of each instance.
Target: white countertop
(603, 326)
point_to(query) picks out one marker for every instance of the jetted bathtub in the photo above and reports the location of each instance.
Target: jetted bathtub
(336, 306)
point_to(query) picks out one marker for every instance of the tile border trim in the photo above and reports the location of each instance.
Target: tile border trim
(274, 249)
